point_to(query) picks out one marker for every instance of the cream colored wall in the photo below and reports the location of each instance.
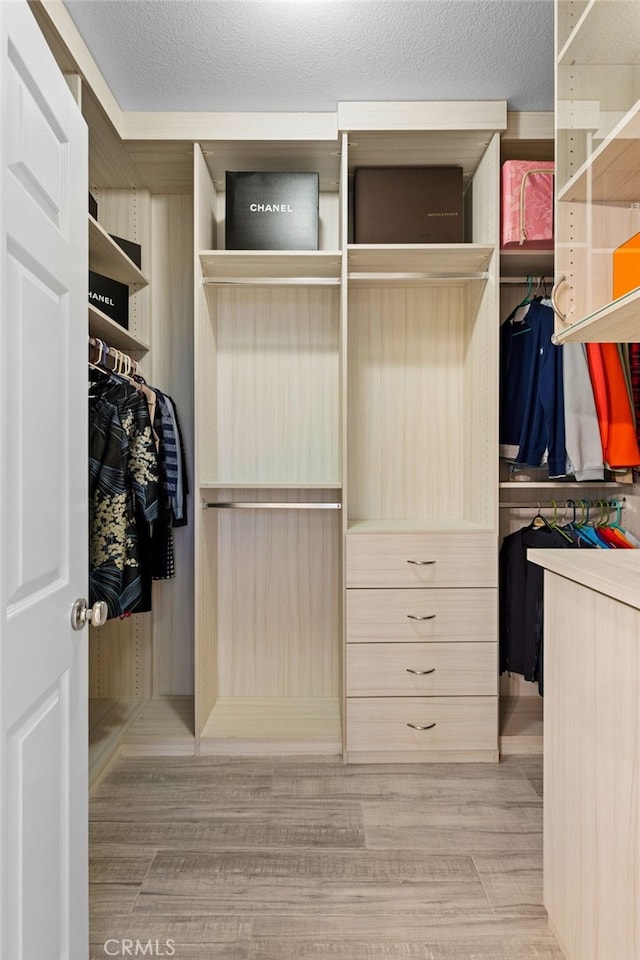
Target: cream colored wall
(172, 371)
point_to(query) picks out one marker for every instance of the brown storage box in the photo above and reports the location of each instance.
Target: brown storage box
(408, 205)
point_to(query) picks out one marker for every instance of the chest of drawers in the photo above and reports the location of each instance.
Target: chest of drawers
(421, 660)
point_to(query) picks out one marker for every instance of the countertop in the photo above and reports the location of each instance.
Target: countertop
(615, 573)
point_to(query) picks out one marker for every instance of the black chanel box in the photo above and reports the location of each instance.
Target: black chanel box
(132, 250)
(271, 211)
(111, 297)
(408, 205)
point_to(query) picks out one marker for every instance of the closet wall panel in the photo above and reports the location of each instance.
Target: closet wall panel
(205, 679)
(405, 388)
(172, 371)
(273, 384)
(480, 373)
(279, 625)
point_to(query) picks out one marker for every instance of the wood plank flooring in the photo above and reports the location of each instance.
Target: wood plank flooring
(305, 859)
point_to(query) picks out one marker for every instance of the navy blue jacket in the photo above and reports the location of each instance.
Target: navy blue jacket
(531, 390)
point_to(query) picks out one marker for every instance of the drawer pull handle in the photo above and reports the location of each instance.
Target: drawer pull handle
(417, 726)
(414, 616)
(421, 673)
(422, 563)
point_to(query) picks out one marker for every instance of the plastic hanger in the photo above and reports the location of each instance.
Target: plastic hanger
(527, 296)
(555, 524)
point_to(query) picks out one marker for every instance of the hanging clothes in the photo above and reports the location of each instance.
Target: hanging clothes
(615, 416)
(123, 496)
(521, 583)
(521, 599)
(547, 408)
(582, 432)
(531, 391)
(634, 361)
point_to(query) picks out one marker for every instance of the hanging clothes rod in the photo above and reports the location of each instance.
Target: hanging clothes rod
(522, 281)
(272, 505)
(273, 281)
(122, 362)
(560, 504)
(400, 277)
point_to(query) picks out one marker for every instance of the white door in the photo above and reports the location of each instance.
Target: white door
(43, 502)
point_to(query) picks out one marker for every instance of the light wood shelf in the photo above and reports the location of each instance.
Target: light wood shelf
(229, 266)
(464, 261)
(558, 485)
(611, 173)
(102, 326)
(285, 725)
(107, 258)
(270, 485)
(616, 322)
(415, 526)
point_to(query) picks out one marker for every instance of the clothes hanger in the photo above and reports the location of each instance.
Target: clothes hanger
(527, 296)
(555, 524)
(521, 310)
(539, 520)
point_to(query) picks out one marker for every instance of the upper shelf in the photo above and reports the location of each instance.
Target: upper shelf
(102, 326)
(264, 266)
(607, 34)
(107, 258)
(612, 172)
(616, 322)
(420, 262)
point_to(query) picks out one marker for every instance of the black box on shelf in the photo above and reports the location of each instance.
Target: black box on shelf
(271, 211)
(93, 206)
(132, 250)
(110, 296)
(408, 205)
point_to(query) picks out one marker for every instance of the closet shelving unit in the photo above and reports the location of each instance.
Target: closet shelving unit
(598, 135)
(108, 259)
(529, 136)
(326, 379)
(420, 490)
(268, 462)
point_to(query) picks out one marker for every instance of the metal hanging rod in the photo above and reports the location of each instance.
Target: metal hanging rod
(272, 505)
(523, 281)
(443, 277)
(273, 281)
(560, 504)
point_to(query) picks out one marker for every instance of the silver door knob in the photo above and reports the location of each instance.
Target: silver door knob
(81, 614)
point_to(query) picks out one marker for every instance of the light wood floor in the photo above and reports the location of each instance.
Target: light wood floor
(306, 859)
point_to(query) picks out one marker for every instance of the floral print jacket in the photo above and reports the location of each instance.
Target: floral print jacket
(123, 496)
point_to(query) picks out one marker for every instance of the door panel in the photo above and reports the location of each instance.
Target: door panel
(43, 503)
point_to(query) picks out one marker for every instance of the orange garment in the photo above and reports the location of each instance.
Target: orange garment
(617, 430)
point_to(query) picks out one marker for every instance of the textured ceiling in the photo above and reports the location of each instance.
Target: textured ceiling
(307, 54)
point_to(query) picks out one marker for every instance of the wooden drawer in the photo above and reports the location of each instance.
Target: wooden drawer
(460, 669)
(393, 615)
(422, 560)
(459, 723)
